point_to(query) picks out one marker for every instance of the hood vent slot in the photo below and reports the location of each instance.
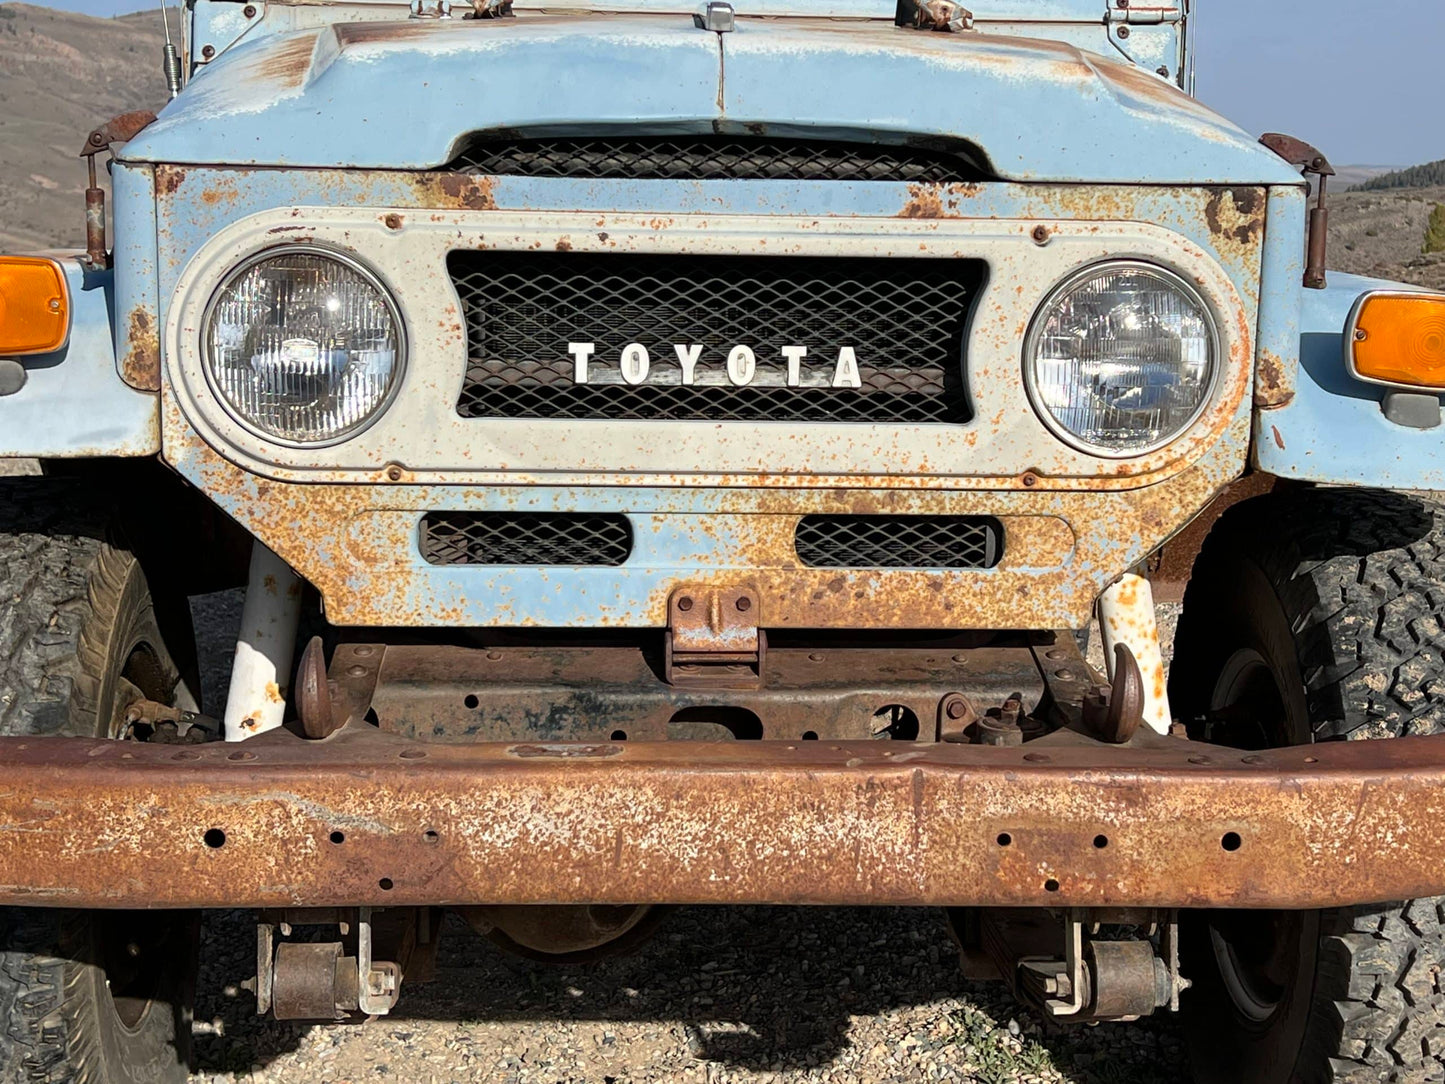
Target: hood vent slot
(718, 158)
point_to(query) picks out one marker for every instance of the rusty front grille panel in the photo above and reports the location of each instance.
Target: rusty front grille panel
(905, 319)
(514, 538)
(716, 158)
(899, 541)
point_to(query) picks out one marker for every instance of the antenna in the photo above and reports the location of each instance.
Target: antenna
(170, 57)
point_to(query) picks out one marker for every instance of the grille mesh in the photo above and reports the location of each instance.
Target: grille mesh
(511, 538)
(904, 319)
(701, 157)
(899, 541)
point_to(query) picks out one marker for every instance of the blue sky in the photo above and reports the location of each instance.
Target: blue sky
(1361, 79)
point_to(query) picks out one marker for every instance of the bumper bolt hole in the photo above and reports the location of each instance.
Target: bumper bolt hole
(1051, 885)
(214, 838)
(1231, 841)
(470, 700)
(338, 837)
(411, 754)
(1100, 842)
(431, 836)
(384, 884)
(1004, 839)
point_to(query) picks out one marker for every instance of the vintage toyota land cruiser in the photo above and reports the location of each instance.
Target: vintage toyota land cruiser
(672, 456)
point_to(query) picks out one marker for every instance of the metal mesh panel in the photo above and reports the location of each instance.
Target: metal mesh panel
(515, 538)
(899, 541)
(702, 157)
(904, 319)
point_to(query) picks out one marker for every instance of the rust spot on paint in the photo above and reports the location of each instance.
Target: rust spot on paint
(286, 64)
(1235, 214)
(472, 192)
(273, 693)
(937, 200)
(1273, 381)
(564, 245)
(140, 365)
(169, 179)
(1279, 440)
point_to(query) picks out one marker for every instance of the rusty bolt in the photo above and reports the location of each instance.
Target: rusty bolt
(494, 656)
(1030, 479)
(745, 604)
(393, 473)
(363, 651)
(1055, 654)
(684, 604)
(208, 51)
(1064, 675)
(97, 138)
(356, 671)
(249, 11)
(1162, 71)
(815, 657)
(1123, 32)
(1042, 234)
(1361, 335)
(392, 221)
(956, 709)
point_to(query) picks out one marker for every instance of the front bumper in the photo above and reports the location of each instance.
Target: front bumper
(364, 818)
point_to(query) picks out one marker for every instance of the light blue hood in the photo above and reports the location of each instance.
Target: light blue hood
(404, 95)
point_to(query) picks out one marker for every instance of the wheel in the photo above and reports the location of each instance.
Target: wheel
(1316, 615)
(85, 996)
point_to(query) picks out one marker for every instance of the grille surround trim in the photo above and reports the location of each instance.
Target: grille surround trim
(525, 539)
(871, 541)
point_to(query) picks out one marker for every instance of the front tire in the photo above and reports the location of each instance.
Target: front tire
(85, 997)
(1317, 615)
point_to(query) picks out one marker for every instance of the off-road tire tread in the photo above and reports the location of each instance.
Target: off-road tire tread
(64, 578)
(1361, 575)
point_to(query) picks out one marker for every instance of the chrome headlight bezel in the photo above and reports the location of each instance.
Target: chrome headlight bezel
(1046, 309)
(353, 264)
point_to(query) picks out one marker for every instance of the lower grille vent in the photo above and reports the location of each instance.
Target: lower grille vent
(520, 538)
(899, 541)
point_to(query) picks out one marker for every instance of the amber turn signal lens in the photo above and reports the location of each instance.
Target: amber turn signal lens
(1400, 339)
(34, 306)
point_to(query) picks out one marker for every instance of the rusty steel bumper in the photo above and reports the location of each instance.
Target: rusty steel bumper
(363, 818)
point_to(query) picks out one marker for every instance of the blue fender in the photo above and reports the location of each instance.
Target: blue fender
(1333, 430)
(74, 403)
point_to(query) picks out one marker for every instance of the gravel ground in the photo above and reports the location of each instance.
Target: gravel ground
(722, 994)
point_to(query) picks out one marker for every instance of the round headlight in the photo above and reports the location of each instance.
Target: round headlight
(1121, 359)
(303, 346)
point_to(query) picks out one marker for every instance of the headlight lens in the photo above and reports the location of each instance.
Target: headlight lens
(303, 346)
(1122, 359)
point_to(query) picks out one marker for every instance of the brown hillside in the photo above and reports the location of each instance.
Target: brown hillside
(60, 76)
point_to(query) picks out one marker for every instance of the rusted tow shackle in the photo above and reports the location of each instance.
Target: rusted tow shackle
(1114, 711)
